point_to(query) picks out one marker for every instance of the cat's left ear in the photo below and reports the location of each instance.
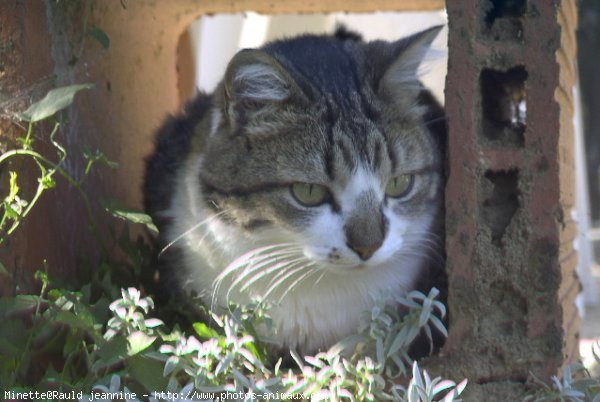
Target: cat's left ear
(398, 62)
(255, 81)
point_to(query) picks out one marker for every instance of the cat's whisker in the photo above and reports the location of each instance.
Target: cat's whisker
(425, 236)
(432, 241)
(246, 260)
(278, 252)
(190, 230)
(281, 280)
(416, 247)
(423, 232)
(426, 249)
(310, 272)
(324, 271)
(425, 255)
(432, 245)
(280, 266)
(253, 266)
(285, 270)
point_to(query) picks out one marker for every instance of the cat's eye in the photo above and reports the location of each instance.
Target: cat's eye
(309, 194)
(399, 186)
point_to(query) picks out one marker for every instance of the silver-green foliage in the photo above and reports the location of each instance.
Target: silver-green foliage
(424, 389)
(576, 385)
(228, 357)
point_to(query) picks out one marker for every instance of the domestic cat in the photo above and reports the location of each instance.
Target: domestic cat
(311, 178)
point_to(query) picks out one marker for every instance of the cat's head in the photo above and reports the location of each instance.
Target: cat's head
(325, 143)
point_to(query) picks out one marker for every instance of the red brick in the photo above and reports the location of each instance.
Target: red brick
(511, 301)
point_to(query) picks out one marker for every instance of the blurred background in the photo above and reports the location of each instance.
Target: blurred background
(588, 159)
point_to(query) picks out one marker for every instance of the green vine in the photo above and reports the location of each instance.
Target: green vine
(14, 207)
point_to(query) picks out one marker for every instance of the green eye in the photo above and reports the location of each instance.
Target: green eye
(399, 186)
(309, 195)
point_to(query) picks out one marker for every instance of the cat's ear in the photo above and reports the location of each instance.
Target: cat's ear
(395, 69)
(254, 81)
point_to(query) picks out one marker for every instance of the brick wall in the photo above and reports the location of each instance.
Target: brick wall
(511, 263)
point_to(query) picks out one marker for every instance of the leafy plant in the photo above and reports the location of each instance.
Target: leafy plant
(15, 207)
(227, 358)
(85, 339)
(92, 339)
(576, 385)
(423, 389)
(34, 325)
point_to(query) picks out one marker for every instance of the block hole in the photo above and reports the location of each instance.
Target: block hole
(504, 106)
(501, 201)
(503, 20)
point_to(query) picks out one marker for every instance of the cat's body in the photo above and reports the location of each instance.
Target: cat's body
(312, 177)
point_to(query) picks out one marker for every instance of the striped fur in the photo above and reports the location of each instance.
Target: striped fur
(332, 111)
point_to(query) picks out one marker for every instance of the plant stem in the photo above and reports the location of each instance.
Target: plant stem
(15, 225)
(76, 184)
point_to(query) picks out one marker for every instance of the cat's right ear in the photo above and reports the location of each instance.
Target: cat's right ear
(255, 82)
(395, 64)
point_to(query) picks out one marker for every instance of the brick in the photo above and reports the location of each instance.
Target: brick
(511, 264)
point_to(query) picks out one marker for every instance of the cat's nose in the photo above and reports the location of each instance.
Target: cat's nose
(365, 252)
(366, 226)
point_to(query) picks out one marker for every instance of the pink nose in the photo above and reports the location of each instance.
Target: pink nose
(366, 252)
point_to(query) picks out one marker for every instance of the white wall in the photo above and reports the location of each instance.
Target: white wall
(218, 38)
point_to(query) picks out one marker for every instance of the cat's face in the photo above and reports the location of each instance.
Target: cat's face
(335, 161)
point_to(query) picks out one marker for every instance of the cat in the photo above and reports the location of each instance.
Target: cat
(312, 179)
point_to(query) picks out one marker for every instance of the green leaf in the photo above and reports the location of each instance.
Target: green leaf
(27, 142)
(42, 277)
(251, 346)
(111, 352)
(148, 372)
(138, 342)
(100, 36)
(47, 182)
(98, 156)
(13, 342)
(55, 100)
(14, 187)
(204, 331)
(119, 211)
(18, 304)
(75, 321)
